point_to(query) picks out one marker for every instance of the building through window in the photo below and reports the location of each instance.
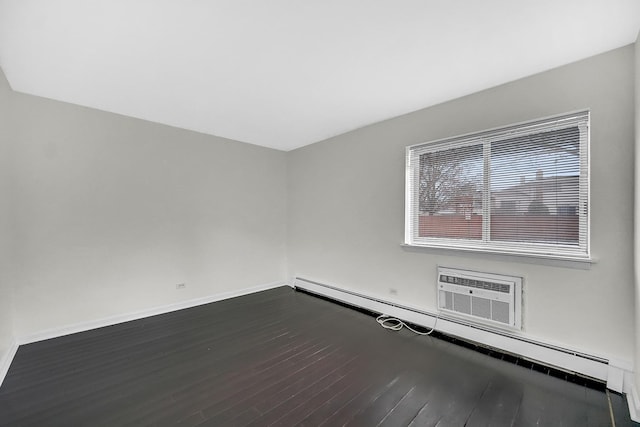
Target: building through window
(522, 189)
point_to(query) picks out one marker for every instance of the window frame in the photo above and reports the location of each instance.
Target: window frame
(580, 252)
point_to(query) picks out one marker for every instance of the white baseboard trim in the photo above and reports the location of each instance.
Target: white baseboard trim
(620, 375)
(121, 318)
(549, 354)
(6, 360)
(633, 401)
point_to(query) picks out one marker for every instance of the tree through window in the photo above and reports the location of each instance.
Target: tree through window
(520, 189)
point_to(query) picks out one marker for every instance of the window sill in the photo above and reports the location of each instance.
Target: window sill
(538, 259)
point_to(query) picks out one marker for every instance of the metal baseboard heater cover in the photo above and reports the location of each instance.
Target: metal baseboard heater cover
(487, 298)
(618, 374)
(504, 339)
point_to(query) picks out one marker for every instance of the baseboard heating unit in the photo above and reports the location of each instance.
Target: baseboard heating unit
(617, 378)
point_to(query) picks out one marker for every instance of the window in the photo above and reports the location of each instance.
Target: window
(523, 189)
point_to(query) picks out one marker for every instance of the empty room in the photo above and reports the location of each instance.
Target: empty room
(320, 213)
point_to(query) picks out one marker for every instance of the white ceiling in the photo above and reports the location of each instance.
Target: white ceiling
(287, 73)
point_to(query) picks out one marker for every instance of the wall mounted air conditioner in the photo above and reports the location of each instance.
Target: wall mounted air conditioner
(490, 299)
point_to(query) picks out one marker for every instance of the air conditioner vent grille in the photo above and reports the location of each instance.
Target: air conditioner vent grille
(472, 283)
(486, 298)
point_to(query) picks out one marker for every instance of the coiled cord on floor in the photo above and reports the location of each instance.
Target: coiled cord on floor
(389, 322)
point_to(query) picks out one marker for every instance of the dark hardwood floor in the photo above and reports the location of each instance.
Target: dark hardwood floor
(282, 357)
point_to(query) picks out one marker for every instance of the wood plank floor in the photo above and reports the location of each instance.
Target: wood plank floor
(284, 358)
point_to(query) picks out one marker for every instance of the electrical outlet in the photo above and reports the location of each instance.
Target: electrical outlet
(181, 285)
(393, 291)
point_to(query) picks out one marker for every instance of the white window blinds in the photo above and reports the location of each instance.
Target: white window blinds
(523, 189)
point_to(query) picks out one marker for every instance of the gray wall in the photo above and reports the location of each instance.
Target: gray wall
(112, 212)
(346, 207)
(109, 212)
(6, 208)
(637, 212)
